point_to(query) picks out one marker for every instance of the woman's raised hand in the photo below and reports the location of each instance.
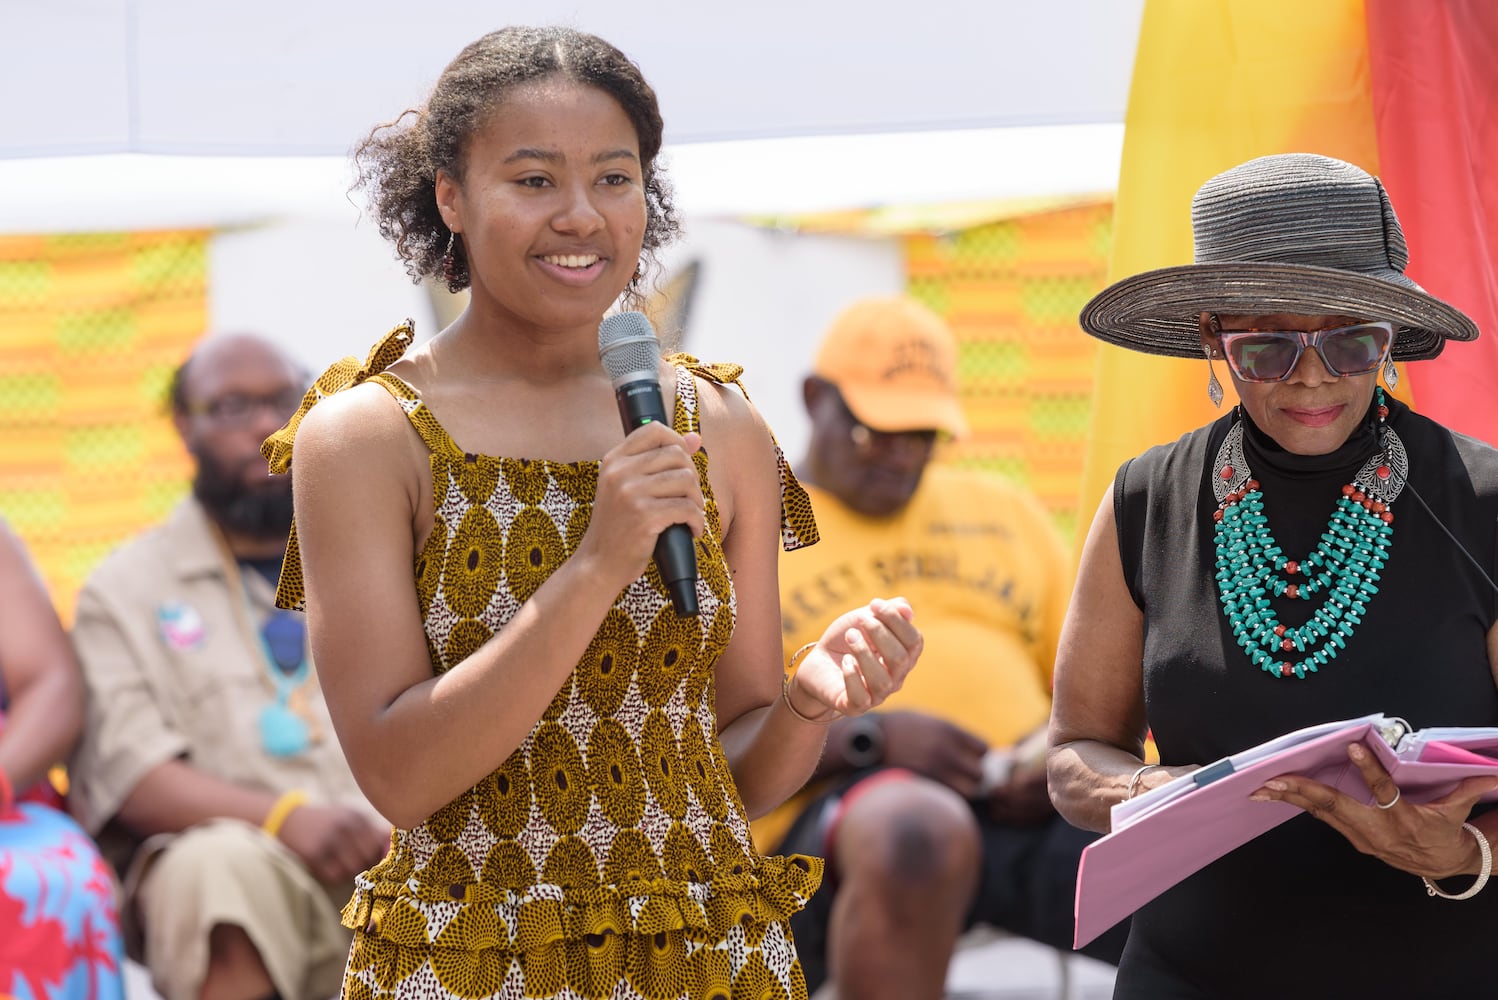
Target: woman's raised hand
(861, 659)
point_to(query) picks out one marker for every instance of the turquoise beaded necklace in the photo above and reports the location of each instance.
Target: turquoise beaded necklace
(1345, 565)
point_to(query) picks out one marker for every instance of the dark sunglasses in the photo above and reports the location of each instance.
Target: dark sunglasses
(867, 439)
(1271, 355)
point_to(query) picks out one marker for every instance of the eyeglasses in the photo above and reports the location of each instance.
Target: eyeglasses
(238, 410)
(1271, 355)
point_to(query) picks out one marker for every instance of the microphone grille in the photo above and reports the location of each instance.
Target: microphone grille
(627, 346)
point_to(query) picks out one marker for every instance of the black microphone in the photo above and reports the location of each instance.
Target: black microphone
(631, 355)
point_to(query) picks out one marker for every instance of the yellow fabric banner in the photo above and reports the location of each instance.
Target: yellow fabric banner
(94, 326)
(1216, 82)
(1011, 290)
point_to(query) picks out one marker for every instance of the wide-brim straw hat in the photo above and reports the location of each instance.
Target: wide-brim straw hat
(1292, 233)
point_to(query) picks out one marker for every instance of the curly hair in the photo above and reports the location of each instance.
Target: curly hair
(397, 163)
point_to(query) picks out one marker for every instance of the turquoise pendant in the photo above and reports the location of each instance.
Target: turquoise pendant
(282, 732)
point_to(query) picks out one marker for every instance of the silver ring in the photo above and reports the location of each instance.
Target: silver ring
(1390, 803)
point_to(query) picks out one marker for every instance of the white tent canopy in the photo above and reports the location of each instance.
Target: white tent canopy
(194, 113)
(238, 117)
(309, 77)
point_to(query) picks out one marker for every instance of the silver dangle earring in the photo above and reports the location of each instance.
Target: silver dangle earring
(1391, 374)
(450, 264)
(1214, 387)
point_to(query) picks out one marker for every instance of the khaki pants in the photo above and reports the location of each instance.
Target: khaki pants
(229, 872)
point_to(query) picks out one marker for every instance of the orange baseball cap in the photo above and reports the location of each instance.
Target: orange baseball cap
(895, 363)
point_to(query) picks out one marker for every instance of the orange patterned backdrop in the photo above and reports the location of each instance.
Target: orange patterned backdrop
(1011, 290)
(93, 326)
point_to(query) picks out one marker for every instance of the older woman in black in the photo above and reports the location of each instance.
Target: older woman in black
(1320, 553)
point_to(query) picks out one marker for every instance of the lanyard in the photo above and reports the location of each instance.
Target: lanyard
(287, 725)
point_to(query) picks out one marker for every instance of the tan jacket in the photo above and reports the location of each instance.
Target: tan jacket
(161, 634)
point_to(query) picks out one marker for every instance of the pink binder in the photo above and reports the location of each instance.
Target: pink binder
(1209, 812)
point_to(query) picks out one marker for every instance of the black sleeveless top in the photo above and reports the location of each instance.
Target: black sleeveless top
(1299, 912)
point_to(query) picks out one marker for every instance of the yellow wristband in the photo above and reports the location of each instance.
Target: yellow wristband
(284, 806)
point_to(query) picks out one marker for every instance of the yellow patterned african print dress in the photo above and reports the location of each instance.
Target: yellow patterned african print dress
(610, 855)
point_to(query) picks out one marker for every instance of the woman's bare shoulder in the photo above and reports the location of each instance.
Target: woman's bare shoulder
(726, 411)
(351, 419)
(359, 435)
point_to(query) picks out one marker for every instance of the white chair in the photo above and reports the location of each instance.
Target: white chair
(991, 964)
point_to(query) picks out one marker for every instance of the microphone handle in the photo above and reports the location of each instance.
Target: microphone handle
(676, 560)
(640, 403)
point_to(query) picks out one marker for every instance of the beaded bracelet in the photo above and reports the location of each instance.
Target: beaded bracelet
(791, 666)
(1482, 876)
(284, 806)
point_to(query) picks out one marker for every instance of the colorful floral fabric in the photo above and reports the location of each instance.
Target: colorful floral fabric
(59, 927)
(610, 855)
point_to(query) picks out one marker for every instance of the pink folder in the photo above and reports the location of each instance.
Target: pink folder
(1155, 849)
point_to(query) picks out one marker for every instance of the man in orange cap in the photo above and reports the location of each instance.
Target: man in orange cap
(932, 813)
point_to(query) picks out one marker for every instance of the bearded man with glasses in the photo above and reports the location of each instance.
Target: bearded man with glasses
(208, 768)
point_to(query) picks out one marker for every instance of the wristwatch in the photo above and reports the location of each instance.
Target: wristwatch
(862, 742)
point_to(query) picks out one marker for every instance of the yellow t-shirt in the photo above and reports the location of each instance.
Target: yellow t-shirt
(989, 578)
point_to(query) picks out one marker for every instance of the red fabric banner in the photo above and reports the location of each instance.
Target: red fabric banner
(1434, 70)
